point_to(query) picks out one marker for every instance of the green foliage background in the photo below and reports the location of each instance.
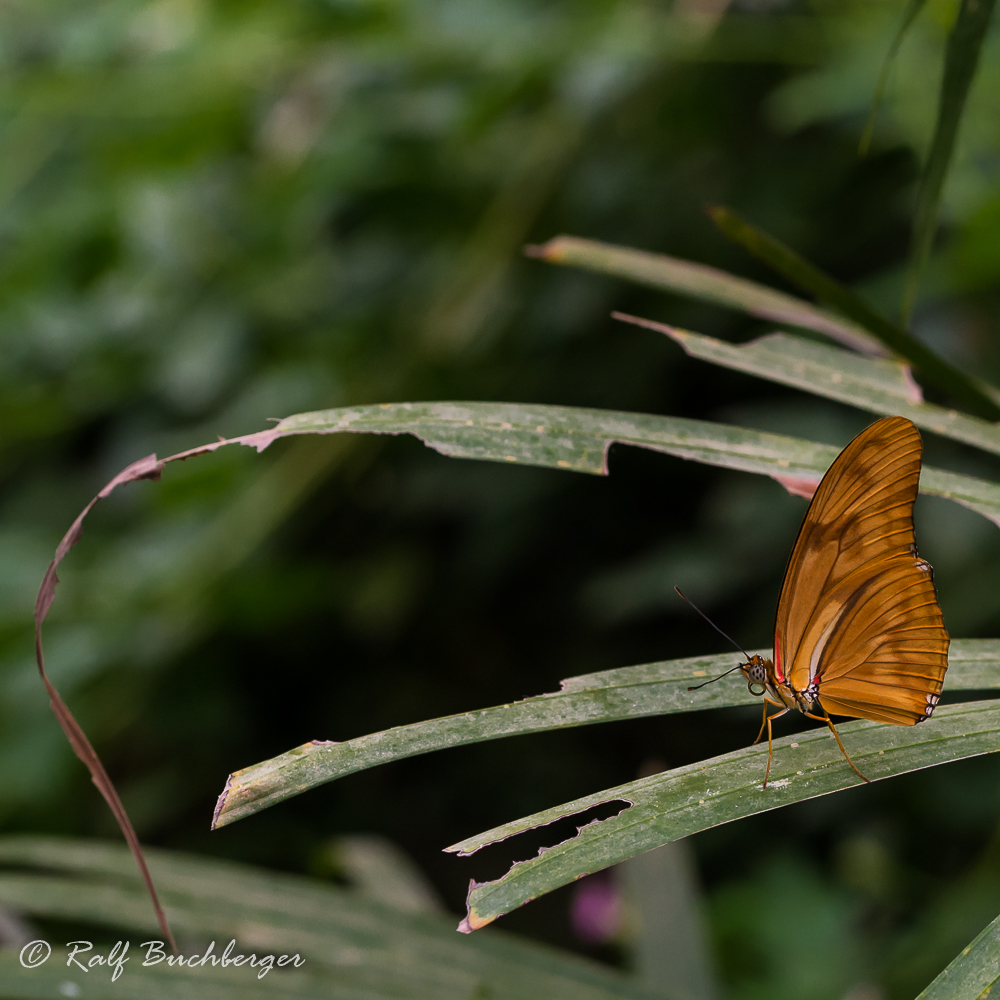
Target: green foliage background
(216, 213)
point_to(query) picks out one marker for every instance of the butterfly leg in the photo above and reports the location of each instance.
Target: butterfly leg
(836, 736)
(767, 701)
(768, 719)
(763, 724)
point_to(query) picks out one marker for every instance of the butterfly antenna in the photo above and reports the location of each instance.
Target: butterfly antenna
(710, 622)
(717, 629)
(712, 680)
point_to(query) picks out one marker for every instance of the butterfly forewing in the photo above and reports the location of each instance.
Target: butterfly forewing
(858, 613)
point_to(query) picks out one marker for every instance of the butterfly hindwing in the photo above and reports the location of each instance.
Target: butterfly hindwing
(858, 613)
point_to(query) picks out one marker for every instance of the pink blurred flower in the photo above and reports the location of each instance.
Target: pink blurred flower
(596, 909)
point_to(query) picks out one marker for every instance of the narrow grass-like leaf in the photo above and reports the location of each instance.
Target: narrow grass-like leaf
(875, 384)
(607, 696)
(973, 973)
(960, 64)
(683, 801)
(709, 284)
(913, 9)
(354, 948)
(811, 279)
(578, 440)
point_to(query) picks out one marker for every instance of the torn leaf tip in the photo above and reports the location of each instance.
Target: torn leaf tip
(220, 805)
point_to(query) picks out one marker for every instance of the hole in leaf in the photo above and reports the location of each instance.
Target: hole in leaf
(495, 860)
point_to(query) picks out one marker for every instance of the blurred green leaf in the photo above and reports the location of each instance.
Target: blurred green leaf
(708, 284)
(972, 975)
(353, 947)
(689, 799)
(875, 384)
(961, 63)
(913, 9)
(54, 982)
(375, 867)
(957, 909)
(808, 277)
(666, 919)
(623, 693)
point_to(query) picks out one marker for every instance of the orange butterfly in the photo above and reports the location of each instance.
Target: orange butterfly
(859, 631)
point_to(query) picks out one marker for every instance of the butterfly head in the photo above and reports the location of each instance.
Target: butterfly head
(756, 671)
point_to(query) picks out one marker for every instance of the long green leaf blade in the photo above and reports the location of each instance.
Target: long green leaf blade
(808, 277)
(607, 696)
(689, 799)
(961, 61)
(708, 284)
(876, 384)
(973, 973)
(576, 439)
